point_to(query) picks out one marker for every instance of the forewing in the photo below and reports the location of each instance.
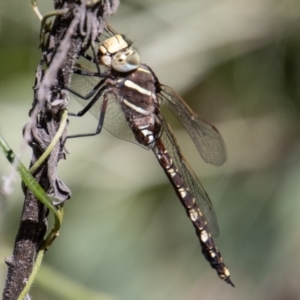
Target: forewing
(205, 136)
(190, 178)
(116, 123)
(114, 120)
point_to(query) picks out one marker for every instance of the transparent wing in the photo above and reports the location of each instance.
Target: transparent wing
(205, 136)
(114, 120)
(191, 180)
(116, 123)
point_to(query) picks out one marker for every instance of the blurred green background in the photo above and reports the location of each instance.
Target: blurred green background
(125, 234)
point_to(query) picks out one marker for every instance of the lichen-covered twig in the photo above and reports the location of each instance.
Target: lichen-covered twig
(69, 33)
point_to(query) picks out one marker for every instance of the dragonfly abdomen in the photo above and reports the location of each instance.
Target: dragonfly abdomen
(209, 249)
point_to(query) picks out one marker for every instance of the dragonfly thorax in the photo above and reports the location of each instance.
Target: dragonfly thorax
(116, 53)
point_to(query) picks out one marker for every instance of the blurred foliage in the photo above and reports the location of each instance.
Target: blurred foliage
(125, 233)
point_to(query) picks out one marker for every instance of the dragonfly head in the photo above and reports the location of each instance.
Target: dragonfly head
(116, 53)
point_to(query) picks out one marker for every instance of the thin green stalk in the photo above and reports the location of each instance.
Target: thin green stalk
(45, 27)
(39, 258)
(39, 192)
(31, 278)
(28, 179)
(56, 138)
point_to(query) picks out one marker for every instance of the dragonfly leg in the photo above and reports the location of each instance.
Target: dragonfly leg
(90, 94)
(90, 104)
(88, 57)
(101, 117)
(80, 70)
(86, 73)
(92, 59)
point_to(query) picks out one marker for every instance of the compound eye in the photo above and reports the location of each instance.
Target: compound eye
(126, 60)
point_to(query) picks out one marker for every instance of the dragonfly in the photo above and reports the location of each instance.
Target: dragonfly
(126, 97)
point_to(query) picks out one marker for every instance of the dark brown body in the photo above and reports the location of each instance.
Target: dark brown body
(137, 94)
(126, 99)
